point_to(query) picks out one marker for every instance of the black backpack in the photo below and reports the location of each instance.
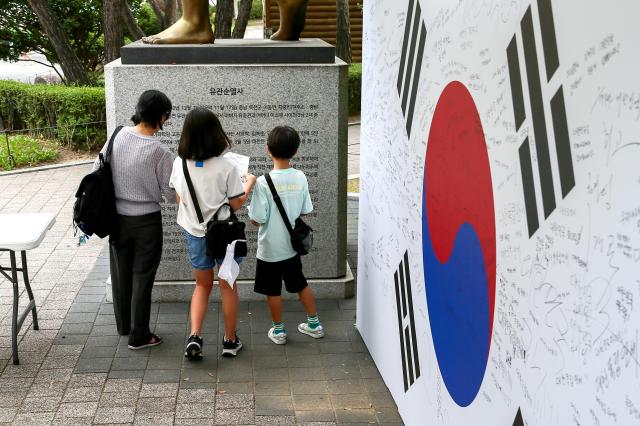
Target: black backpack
(94, 211)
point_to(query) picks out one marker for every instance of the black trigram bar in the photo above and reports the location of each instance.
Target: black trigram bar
(413, 45)
(563, 143)
(406, 329)
(549, 43)
(516, 83)
(530, 204)
(537, 112)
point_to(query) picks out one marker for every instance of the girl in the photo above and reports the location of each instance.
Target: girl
(216, 182)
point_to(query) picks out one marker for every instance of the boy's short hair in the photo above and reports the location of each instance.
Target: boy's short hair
(202, 136)
(152, 106)
(283, 142)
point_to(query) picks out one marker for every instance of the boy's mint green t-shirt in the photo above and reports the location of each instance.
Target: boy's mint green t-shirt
(274, 242)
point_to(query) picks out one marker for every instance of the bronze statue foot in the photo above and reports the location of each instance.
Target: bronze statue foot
(182, 32)
(292, 18)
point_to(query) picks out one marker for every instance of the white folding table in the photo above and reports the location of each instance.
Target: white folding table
(19, 233)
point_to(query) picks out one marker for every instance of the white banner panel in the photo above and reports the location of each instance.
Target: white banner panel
(499, 252)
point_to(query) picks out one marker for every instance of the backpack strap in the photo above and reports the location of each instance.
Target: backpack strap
(278, 201)
(110, 146)
(192, 191)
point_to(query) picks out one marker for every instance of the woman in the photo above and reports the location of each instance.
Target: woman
(217, 186)
(141, 168)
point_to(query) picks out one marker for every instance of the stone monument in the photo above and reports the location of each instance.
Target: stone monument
(253, 86)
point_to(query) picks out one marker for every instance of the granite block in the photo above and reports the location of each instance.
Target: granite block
(250, 100)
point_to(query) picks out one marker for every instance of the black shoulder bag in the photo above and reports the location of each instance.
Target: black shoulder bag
(94, 211)
(301, 233)
(219, 233)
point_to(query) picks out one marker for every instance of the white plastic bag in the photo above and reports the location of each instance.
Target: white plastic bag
(229, 270)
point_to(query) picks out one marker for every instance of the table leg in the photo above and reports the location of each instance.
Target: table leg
(14, 319)
(25, 274)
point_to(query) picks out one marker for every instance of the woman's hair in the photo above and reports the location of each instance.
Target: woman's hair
(152, 106)
(283, 142)
(202, 136)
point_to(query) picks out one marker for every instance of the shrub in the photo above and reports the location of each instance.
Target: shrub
(24, 106)
(355, 88)
(256, 9)
(26, 151)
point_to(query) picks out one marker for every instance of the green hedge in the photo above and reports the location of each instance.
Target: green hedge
(256, 9)
(26, 106)
(355, 88)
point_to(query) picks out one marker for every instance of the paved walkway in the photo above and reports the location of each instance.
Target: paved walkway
(76, 370)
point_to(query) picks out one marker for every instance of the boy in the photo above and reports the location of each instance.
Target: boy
(277, 260)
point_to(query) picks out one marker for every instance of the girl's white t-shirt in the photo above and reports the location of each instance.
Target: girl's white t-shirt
(216, 181)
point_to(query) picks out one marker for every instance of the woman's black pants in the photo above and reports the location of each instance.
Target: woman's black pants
(135, 249)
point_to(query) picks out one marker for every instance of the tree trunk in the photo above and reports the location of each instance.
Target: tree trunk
(157, 9)
(224, 18)
(244, 10)
(343, 31)
(73, 70)
(129, 20)
(112, 25)
(170, 8)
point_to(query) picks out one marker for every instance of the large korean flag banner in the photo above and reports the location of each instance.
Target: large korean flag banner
(499, 275)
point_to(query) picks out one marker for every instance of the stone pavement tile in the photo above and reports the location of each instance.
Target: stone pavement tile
(103, 341)
(55, 375)
(12, 399)
(388, 416)
(370, 372)
(87, 379)
(340, 360)
(192, 396)
(224, 401)
(156, 405)
(306, 361)
(76, 328)
(302, 349)
(302, 373)
(65, 350)
(195, 411)
(65, 362)
(309, 387)
(342, 387)
(315, 415)
(350, 401)
(275, 420)
(165, 363)
(39, 390)
(34, 419)
(272, 388)
(158, 390)
(230, 374)
(138, 363)
(122, 351)
(375, 386)
(271, 374)
(157, 419)
(241, 416)
(123, 385)
(336, 347)
(189, 422)
(41, 404)
(172, 318)
(161, 328)
(98, 352)
(311, 402)
(126, 374)
(355, 416)
(20, 371)
(62, 420)
(114, 415)
(103, 330)
(268, 362)
(274, 405)
(77, 409)
(15, 383)
(382, 400)
(77, 317)
(82, 394)
(106, 319)
(162, 376)
(93, 365)
(229, 388)
(343, 372)
(7, 414)
(119, 399)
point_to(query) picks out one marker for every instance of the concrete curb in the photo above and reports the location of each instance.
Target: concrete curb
(45, 168)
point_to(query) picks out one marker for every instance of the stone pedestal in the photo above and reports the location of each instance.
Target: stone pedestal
(251, 99)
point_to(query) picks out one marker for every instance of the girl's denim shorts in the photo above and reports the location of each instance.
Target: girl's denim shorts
(198, 253)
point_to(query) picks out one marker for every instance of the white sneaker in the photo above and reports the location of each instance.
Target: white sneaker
(279, 338)
(316, 333)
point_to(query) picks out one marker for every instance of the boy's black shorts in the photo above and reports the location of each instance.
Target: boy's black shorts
(269, 277)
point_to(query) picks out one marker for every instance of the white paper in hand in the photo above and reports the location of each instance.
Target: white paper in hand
(229, 270)
(241, 163)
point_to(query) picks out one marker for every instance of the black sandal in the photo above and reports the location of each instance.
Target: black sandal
(155, 341)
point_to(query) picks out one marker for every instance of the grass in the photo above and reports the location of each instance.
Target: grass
(26, 151)
(353, 185)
